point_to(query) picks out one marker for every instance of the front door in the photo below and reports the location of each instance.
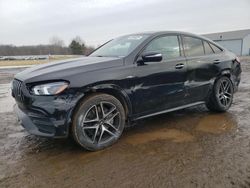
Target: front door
(160, 85)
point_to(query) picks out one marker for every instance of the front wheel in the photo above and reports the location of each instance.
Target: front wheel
(221, 96)
(98, 122)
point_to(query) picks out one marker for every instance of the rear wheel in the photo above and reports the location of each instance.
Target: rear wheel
(98, 122)
(221, 96)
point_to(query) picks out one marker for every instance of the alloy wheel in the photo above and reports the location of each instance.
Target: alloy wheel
(225, 93)
(101, 123)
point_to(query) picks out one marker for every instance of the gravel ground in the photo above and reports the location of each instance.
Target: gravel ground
(187, 148)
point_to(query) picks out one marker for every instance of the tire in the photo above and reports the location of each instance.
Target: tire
(98, 122)
(221, 96)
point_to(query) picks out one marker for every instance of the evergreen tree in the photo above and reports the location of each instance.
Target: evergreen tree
(76, 47)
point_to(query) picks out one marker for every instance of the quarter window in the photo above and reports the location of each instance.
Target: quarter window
(215, 48)
(208, 49)
(193, 46)
(168, 46)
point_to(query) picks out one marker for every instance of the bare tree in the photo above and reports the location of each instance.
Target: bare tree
(79, 40)
(9, 50)
(56, 47)
(89, 49)
(56, 41)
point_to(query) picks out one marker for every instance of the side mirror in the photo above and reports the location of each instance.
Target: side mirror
(151, 57)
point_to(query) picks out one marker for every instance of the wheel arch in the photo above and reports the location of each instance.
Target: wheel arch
(226, 72)
(110, 89)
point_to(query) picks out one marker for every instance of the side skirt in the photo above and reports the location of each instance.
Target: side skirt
(170, 110)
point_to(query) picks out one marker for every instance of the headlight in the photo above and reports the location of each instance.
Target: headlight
(49, 88)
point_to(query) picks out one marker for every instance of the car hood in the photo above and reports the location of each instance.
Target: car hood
(67, 68)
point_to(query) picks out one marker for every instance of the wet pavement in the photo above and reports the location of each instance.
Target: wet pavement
(187, 148)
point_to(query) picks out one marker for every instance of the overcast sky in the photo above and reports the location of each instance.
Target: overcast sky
(29, 22)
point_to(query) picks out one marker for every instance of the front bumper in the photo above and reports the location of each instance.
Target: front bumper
(48, 116)
(45, 116)
(28, 124)
(38, 124)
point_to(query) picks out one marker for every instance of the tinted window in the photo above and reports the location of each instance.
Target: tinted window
(208, 49)
(168, 46)
(193, 46)
(121, 46)
(215, 48)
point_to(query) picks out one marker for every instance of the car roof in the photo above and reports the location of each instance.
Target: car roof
(158, 33)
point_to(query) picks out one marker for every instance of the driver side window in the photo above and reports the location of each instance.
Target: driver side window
(168, 46)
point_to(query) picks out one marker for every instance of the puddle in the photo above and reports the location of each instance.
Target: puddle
(161, 134)
(4, 89)
(18, 135)
(216, 123)
(164, 151)
(6, 100)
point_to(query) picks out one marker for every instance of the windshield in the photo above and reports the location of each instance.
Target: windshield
(119, 47)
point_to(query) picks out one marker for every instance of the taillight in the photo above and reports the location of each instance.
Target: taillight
(237, 59)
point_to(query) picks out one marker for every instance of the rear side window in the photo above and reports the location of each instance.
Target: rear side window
(168, 46)
(215, 48)
(208, 49)
(193, 46)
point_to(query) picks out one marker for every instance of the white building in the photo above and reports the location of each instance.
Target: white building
(235, 41)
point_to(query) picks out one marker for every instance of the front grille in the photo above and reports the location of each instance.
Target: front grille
(17, 90)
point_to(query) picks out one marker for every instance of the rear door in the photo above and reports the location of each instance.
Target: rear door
(201, 67)
(160, 85)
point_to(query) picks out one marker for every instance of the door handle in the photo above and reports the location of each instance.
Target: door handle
(216, 61)
(179, 66)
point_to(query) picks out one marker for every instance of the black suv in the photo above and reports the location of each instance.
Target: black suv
(126, 79)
